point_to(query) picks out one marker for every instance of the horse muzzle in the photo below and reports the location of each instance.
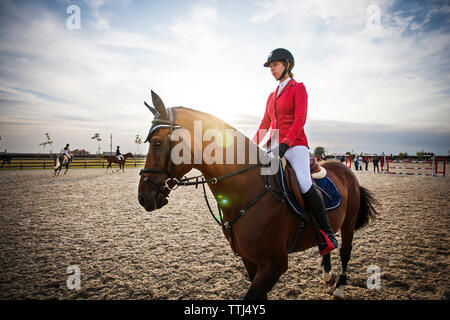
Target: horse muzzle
(152, 200)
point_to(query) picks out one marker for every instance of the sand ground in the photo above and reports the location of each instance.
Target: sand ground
(93, 220)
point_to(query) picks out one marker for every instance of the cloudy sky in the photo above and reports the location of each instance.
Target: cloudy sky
(377, 72)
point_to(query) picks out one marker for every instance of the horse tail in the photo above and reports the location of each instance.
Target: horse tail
(367, 211)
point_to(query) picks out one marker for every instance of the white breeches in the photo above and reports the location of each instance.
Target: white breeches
(298, 157)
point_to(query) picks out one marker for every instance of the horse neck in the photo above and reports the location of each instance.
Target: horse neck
(214, 170)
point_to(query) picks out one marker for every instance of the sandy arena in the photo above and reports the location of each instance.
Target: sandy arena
(93, 220)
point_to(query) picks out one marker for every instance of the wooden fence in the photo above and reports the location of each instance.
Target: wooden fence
(34, 163)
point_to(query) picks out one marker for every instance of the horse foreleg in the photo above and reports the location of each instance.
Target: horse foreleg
(267, 274)
(327, 275)
(67, 168)
(251, 269)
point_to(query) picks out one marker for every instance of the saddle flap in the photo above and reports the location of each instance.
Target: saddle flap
(292, 184)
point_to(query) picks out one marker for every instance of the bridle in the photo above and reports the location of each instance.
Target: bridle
(157, 124)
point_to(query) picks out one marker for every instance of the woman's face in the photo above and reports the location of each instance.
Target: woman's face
(277, 69)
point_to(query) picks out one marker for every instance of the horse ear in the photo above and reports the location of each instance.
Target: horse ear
(159, 105)
(153, 110)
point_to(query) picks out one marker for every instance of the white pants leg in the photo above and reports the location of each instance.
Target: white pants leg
(298, 157)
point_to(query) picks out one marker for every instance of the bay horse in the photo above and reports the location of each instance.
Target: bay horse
(60, 161)
(115, 159)
(259, 227)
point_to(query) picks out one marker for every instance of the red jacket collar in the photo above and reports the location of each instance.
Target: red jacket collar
(288, 85)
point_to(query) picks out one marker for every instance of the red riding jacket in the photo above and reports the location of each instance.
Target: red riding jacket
(287, 113)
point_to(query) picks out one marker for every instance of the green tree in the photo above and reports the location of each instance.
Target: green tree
(319, 151)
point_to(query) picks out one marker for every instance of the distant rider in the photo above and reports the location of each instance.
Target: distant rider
(118, 154)
(67, 152)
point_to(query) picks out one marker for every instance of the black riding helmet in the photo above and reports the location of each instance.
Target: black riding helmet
(281, 54)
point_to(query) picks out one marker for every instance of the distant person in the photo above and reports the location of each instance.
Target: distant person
(67, 152)
(382, 162)
(342, 159)
(356, 162)
(361, 161)
(119, 154)
(375, 160)
(366, 161)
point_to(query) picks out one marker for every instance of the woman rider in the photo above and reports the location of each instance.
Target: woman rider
(67, 152)
(286, 111)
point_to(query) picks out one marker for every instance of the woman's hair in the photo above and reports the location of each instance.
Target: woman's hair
(289, 72)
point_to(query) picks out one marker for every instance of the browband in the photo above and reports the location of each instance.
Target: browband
(164, 123)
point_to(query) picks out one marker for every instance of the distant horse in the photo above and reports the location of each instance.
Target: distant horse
(5, 158)
(257, 224)
(115, 159)
(60, 161)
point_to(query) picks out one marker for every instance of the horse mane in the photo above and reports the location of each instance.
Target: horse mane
(223, 125)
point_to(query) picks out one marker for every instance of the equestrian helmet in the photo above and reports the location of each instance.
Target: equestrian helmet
(280, 54)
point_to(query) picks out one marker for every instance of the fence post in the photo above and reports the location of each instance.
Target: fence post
(20, 164)
(85, 163)
(445, 162)
(433, 166)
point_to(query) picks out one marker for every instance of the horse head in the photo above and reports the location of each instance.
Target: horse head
(160, 173)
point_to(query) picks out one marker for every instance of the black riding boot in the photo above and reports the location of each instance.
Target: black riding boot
(314, 204)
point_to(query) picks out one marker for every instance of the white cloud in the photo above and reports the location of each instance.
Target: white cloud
(358, 74)
(98, 77)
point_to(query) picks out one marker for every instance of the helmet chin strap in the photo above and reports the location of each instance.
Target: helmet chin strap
(284, 72)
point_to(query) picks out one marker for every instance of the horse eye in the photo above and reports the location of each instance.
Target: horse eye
(157, 143)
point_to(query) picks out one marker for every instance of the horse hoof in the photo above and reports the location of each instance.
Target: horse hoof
(332, 281)
(338, 297)
(338, 294)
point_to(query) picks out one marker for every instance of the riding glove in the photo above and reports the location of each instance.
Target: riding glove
(282, 148)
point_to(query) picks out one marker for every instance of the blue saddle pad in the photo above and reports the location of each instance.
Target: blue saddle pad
(331, 196)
